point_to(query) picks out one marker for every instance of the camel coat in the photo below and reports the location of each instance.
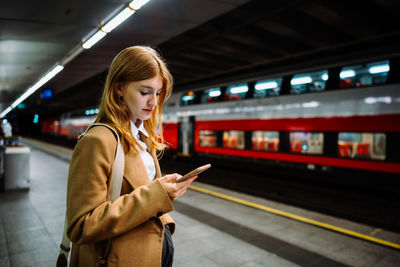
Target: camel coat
(134, 221)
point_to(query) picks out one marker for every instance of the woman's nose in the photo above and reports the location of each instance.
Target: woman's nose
(153, 100)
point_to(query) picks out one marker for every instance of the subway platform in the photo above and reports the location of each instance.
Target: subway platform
(215, 226)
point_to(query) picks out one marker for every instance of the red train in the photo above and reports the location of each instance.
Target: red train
(345, 118)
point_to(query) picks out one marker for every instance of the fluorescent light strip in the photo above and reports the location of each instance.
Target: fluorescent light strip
(5, 112)
(108, 27)
(347, 74)
(214, 93)
(94, 39)
(301, 80)
(187, 97)
(379, 69)
(114, 22)
(239, 89)
(266, 85)
(117, 20)
(137, 4)
(37, 85)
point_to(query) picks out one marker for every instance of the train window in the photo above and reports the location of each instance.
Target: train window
(362, 145)
(379, 146)
(236, 92)
(188, 98)
(211, 95)
(208, 138)
(306, 142)
(309, 82)
(270, 87)
(233, 139)
(265, 140)
(364, 75)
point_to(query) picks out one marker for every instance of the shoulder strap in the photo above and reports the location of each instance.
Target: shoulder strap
(118, 166)
(115, 190)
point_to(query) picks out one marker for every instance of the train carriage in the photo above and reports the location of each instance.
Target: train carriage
(354, 126)
(340, 120)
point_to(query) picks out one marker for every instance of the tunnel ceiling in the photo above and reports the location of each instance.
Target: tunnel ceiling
(249, 39)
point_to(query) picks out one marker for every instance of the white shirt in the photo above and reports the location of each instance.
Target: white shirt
(146, 157)
(7, 129)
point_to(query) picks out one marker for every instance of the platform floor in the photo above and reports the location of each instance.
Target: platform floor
(210, 231)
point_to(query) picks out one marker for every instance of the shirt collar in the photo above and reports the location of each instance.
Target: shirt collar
(135, 130)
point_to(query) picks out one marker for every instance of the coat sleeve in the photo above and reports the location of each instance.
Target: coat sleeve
(90, 216)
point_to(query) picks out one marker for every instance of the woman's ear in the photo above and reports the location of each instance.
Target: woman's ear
(118, 89)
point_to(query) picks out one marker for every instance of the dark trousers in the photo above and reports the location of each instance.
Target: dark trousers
(168, 249)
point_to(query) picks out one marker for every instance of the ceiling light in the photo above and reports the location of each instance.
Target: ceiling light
(239, 89)
(137, 4)
(53, 72)
(379, 68)
(214, 93)
(5, 111)
(265, 85)
(301, 80)
(117, 20)
(187, 97)
(94, 39)
(347, 74)
(108, 27)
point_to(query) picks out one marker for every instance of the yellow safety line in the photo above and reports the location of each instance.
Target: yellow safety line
(297, 218)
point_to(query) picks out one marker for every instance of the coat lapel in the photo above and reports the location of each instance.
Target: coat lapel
(135, 172)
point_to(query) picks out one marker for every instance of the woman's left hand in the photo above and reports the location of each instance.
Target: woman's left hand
(175, 190)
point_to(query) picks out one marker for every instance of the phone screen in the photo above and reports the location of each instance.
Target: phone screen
(193, 173)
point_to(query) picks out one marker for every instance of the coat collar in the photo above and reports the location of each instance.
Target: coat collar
(135, 171)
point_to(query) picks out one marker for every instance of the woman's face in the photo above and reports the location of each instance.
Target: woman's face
(141, 97)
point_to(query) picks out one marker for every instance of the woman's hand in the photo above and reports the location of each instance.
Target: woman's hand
(175, 190)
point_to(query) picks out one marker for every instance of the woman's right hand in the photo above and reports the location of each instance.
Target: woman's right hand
(175, 190)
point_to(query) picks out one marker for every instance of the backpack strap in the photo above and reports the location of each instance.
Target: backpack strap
(115, 190)
(118, 166)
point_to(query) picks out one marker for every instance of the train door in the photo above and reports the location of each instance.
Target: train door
(186, 136)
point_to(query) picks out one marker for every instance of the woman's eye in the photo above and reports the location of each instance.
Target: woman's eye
(144, 93)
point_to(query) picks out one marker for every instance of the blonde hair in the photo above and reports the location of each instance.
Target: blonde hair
(135, 63)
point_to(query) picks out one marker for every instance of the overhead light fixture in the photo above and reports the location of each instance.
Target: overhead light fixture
(239, 89)
(114, 22)
(379, 69)
(301, 80)
(92, 40)
(53, 72)
(187, 97)
(5, 112)
(325, 76)
(214, 93)
(137, 4)
(265, 85)
(347, 74)
(117, 20)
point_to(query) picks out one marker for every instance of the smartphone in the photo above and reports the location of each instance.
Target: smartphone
(192, 173)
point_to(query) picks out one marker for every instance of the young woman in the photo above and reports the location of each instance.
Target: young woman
(135, 229)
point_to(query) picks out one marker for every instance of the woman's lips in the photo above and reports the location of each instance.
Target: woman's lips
(148, 110)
